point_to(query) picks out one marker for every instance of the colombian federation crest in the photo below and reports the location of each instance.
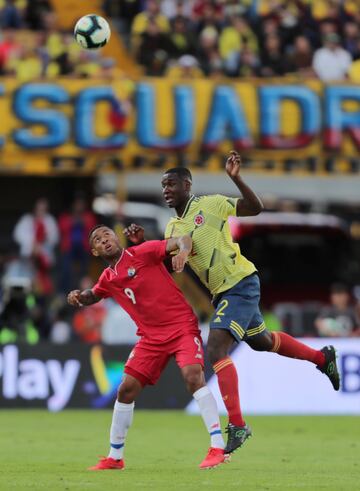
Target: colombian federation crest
(131, 272)
(199, 220)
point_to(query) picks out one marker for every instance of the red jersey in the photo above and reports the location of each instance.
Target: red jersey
(141, 284)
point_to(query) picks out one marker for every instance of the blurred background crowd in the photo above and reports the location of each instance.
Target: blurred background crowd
(242, 39)
(192, 38)
(46, 256)
(45, 251)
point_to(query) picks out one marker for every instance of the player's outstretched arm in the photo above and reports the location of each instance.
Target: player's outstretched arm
(79, 298)
(135, 233)
(249, 204)
(182, 244)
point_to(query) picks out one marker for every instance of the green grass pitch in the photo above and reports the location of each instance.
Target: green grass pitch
(44, 451)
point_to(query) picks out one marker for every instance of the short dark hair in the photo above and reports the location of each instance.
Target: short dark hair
(182, 172)
(339, 288)
(100, 225)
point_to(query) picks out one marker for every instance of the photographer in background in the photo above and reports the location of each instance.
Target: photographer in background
(16, 311)
(338, 319)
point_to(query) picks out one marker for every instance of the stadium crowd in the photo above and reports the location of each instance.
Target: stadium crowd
(192, 38)
(263, 38)
(33, 47)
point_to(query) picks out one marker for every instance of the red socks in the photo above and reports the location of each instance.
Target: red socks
(286, 345)
(229, 388)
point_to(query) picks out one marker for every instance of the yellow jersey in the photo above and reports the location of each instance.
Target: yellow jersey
(215, 258)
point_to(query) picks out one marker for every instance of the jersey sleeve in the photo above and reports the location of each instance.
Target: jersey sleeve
(168, 230)
(225, 206)
(100, 289)
(152, 251)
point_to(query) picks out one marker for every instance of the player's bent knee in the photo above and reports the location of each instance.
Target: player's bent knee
(127, 392)
(216, 353)
(194, 377)
(263, 342)
(219, 344)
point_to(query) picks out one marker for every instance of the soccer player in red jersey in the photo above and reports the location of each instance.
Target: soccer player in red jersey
(138, 281)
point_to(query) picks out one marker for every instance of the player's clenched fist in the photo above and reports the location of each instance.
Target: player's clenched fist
(73, 298)
(179, 261)
(233, 164)
(134, 233)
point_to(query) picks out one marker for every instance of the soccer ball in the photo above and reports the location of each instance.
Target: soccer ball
(92, 31)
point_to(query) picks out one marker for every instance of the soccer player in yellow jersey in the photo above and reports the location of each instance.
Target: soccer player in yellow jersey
(234, 283)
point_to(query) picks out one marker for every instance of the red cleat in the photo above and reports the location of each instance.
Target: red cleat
(215, 456)
(107, 463)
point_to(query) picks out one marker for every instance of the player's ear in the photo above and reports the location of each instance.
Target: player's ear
(94, 252)
(187, 185)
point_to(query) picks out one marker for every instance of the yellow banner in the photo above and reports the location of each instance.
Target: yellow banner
(83, 127)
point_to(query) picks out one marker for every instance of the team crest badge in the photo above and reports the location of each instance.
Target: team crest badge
(131, 272)
(199, 220)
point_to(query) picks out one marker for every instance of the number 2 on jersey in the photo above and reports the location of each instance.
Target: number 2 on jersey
(223, 304)
(130, 294)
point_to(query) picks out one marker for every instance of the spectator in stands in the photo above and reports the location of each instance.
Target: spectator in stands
(53, 36)
(181, 39)
(208, 51)
(273, 61)
(289, 16)
(300, 59)
(111, 72)
(123, 13)
(74, 227)
(208, 13)
(177, 8)
(216, 70)
(88, 321)
(233, 40)
(12, 14)
(37, 235)
(212, 15)
(154, 49)
(88, 64)
(63, 61)
(266, 28)
(8, 46)
(331, 13)
(338, 319)
(35, 12)
(151, 15)
(24, 64)
(331, 62)
(234, 7)
(354, 70)
(186, 67)
(351, 39)
(249, 63)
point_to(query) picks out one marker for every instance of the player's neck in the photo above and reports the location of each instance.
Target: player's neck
(113, 260)
(181, 208)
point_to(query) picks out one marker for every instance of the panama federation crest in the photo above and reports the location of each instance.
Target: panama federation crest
(131, 272)
(199, 220)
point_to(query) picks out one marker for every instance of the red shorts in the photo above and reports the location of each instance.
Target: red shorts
(147, 361)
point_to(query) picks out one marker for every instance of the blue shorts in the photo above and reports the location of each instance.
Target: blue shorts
(237, 310)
